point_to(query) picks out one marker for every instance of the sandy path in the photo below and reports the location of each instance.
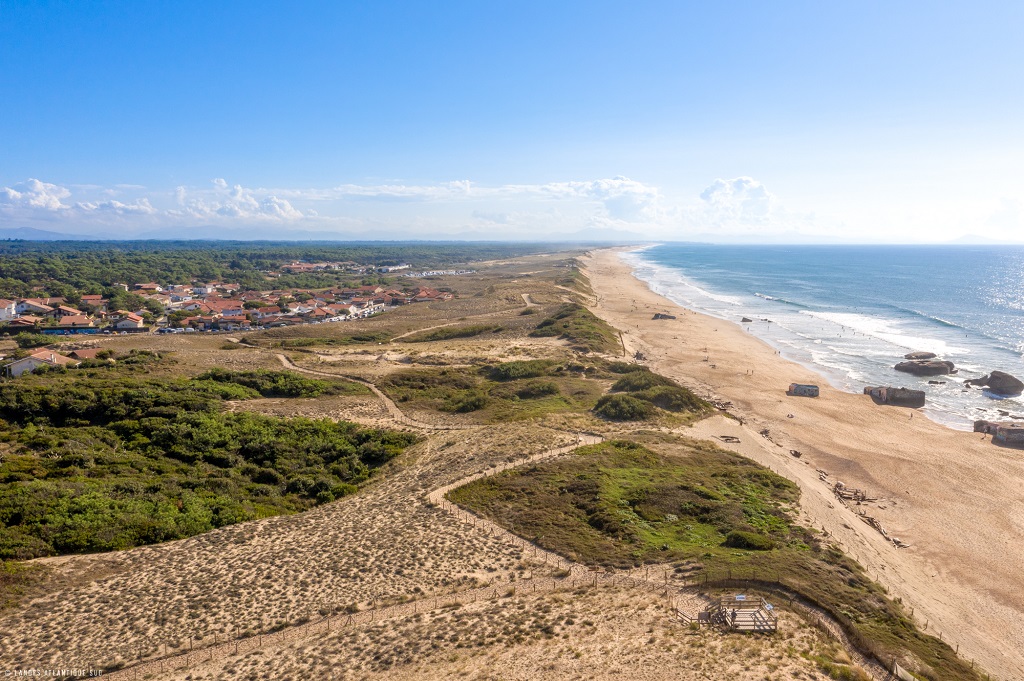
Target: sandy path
(683, 599)
(953, 497)
(497, 313)
(389, 404)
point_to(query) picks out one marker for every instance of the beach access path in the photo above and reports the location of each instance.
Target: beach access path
(953, 497)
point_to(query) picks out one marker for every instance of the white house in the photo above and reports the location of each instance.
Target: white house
(33, 306)
(37, 359)
(8, 310)
(130, 321)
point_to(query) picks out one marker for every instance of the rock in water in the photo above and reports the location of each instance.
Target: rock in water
(920, 355)
(746, 320)
(1000, 383)
(926, 367)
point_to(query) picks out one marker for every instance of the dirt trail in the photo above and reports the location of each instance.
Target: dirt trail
(455, 323)
(392, 408)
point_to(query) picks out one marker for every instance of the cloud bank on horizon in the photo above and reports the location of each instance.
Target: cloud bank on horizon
(734, 209)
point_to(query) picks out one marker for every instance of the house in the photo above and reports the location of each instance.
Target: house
(79, 321)
(37, 359)
(33, 306)
(85, 353)
(62, 311)
(96, 301)
(8, 310)
(129, 321)
(26, 320)
(802, 390)
(151, 287)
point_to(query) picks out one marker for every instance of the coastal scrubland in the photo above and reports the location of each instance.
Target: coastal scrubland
(294, 469)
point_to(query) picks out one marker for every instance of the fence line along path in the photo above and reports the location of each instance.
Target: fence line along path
(682, 597)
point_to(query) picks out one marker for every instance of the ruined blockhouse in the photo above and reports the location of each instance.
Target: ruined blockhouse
(898, 397)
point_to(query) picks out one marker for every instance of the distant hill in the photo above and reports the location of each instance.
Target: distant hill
(32, 234)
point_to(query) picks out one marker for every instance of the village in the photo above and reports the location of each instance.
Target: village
(200, 307)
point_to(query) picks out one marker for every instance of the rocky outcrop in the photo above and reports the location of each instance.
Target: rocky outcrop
(926, 367)
(661, 315)
(920, 355)
(746, 320)
(999, 382)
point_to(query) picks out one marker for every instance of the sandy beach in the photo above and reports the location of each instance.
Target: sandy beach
(952, 496)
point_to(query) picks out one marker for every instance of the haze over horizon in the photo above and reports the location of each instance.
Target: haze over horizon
(790, 122)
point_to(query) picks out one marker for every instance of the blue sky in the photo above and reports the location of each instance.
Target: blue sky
(865, 121)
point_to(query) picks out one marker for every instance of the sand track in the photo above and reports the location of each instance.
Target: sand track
(682, 598)
(392, 408)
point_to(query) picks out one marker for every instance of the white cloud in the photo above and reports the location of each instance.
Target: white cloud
(138, 207)
(741, 199)
(232, 202)
(33, 195)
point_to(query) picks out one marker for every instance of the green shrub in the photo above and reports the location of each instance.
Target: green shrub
(672, 398)
(643, 379)
(32, 340)
(739, 539)
(624, 367)
(510, 371)
(276, 383)
(623, 408)
(449, 333)
(577, 324)
(537, 389)
(468, 401)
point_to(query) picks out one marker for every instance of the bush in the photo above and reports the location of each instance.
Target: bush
(537, 389)
(449, 333)
(624, 367)
(510, 371)
(466, 402)
(643, 379)
(739, 539)
(273, 383)
(672, 398)
(577, 324)
(32, 340)
(623, 408)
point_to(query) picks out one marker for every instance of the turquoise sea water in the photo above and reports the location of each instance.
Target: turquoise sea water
(852, 312)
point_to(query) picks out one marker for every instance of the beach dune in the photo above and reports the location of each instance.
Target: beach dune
(953, 497)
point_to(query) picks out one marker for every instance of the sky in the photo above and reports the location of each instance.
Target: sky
(741, 121)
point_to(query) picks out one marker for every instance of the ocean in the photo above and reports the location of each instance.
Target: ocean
(852, 312)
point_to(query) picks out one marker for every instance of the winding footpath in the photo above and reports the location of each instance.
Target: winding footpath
(389, 404)
(684, 599)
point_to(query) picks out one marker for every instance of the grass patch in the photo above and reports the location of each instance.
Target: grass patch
(644, 385)
(283, 383)
(531, 368)
(579, 326)
(347, 339)
(540, 387)
(452, 332)
(621, 504)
